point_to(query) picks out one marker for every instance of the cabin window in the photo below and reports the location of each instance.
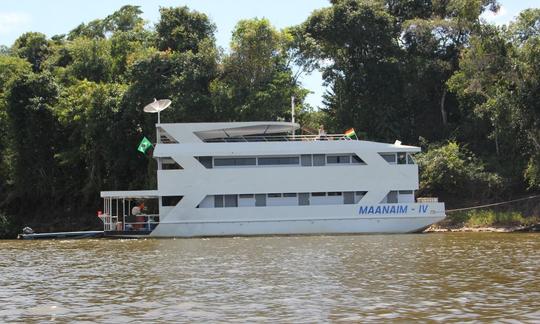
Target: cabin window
(279, 160)
(402, 158)
(334, 194)
(410, 159)
(169, 201)
(169, 164)
(341, 159)
(348, 197)
(246, 196)
(357, 160)
(206, 161)
(306, 160)
(389, 157)
(260, 200)
(391, 198)
(303, 199)
(274, 195)
(234, 161)
(289, 195)
(318, 194)
(231, 200)
(358, 195)
(218, 201)
(319, 160)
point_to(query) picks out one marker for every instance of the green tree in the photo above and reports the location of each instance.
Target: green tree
(355, 45)
(33, 138)
(34, 47)
(91, 59)
(256, 80)
(10, 68)
(180, 29)
(454, 173)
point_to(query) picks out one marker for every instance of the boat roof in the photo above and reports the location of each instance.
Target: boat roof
(130, 194)
(205, 131)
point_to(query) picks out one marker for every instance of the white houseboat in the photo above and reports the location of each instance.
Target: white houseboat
(255, 178)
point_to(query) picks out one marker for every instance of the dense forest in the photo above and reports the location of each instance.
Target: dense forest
(427, 72)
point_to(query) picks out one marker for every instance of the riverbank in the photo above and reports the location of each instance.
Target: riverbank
(486, 221)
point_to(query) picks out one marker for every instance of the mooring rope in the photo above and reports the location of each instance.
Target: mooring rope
(489, 205)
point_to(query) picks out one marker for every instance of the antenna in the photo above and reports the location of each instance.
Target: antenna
(157, 106)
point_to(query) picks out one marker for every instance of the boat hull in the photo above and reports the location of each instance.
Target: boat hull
(358, 220)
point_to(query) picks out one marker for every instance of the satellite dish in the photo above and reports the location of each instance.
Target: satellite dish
(157, 106)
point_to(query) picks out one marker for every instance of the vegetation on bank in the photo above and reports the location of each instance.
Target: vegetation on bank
(487, 219)
(428, 73)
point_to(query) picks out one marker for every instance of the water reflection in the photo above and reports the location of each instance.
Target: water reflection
(286, 279)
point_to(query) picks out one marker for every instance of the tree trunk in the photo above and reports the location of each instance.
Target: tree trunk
(444, 114)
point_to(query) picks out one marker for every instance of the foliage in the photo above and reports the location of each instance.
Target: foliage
(456, 173)
(256, 81)
(181, 29)
(34, 47)
(483, 218)
(7, 228)
(488, 218)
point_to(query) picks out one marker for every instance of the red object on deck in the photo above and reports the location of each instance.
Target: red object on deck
(139, 219)
(99, 213)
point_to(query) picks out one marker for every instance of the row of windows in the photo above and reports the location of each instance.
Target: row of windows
(397, 158)
(303, 160)
(282, 199)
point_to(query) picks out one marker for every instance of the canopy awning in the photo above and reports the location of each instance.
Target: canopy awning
(136, 194)
(259, 129)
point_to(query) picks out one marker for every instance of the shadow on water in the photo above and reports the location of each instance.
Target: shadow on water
(472, 276)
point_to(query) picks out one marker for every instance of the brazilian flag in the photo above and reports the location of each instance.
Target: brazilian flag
(144, 145)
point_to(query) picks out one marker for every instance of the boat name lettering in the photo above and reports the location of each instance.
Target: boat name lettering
(390, 209)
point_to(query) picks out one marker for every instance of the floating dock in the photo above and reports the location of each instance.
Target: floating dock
(61, 235)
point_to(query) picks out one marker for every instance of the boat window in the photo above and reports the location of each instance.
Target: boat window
(357, 160)
(206, 161)
(168, 201)
(319, 160)
(334, 194)
(169, 164)
(405, 192)
(234, 161)
(318, 194)
(389, 157)
(218, 201)
(231, 200)
(410, 159)
(342, 159)
(348, 197)
(260, 200)
(402, 158)
(391, 198)
(289, 195)
(246, 196)
(278, 160)
(305, 160)
(303, 199)
(274, 195)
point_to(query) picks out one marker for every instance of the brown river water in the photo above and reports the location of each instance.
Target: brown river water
(453, 277)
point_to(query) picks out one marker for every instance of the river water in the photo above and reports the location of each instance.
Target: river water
(304, 279)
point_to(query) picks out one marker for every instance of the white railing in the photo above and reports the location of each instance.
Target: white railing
(113, 223)
(427, 199)
(279, 138)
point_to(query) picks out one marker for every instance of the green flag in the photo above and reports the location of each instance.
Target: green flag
(144, 145)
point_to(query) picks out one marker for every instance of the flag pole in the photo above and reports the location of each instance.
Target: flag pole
(292, 116)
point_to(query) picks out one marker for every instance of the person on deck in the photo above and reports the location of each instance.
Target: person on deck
(322, 134)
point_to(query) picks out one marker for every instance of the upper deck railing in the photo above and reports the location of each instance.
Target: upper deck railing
(279, 138)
